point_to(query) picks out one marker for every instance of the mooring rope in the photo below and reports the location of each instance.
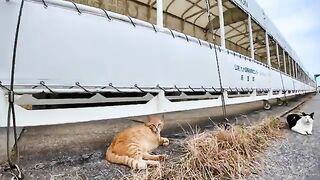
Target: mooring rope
(13, 167)
(224, 109)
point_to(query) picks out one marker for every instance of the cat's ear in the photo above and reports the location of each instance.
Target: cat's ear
(303, 114)
(311, 115)
(148, 118)
(153, 128)
(148, 121)
(151, 124)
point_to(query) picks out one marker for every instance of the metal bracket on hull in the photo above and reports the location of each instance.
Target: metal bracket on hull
(44, 85)
(106, 13)
(4, 87)
(75, 5)
(3, 107)
(44, 4)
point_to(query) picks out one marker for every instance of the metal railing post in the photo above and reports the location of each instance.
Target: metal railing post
(221, 21)
(160, 13)
(250, 37)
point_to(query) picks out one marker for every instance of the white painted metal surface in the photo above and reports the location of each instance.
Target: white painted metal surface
(66, 44)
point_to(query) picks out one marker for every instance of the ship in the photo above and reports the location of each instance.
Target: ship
(87, 60)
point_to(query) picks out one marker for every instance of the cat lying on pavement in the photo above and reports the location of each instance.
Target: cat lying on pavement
(132, 146)
(301, 123)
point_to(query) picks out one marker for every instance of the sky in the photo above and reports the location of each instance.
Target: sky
(299, 23)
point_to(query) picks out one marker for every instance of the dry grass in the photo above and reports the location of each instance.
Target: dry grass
(221, 154)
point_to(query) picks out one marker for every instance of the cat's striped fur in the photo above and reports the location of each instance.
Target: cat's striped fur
(132, 146)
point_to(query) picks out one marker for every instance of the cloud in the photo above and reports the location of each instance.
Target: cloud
(298, 23)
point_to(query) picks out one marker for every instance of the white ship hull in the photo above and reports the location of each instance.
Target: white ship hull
(59, 47)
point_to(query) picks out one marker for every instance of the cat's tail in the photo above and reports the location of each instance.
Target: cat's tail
(125, 160)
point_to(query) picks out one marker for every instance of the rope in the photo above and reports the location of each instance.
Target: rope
(4, 87)
(14, 168)
(224, 109)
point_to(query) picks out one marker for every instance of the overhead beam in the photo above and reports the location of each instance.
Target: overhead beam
(231, 16)
(235, 28)
(186, 11)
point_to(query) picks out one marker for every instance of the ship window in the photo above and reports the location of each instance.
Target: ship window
(300, 73)
(294, 69)
(248, 78)
(287, 63)
(273, 52)
(259, 42)
(190, 17)
(290, 66)
(236, 28)
(241, 77)
(281, 60)
(143, 10)
(253, 79)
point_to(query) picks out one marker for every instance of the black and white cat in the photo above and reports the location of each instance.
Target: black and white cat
(301, 123)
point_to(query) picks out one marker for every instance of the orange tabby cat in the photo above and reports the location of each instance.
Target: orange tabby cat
(132, 146)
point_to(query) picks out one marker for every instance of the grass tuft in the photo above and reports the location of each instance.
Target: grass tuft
(220, 154)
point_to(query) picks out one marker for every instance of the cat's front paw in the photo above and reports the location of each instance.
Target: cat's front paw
(141, 165)
(163, 157)
(165, 141)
